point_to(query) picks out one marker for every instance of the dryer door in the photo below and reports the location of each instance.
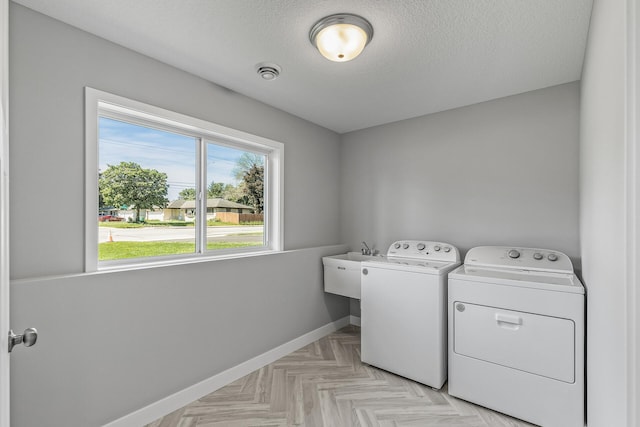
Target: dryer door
(533, 343)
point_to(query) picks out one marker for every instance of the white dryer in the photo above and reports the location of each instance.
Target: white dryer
(404, 315)
(516, 334)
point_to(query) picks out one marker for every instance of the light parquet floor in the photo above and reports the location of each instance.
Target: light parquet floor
(326, 384)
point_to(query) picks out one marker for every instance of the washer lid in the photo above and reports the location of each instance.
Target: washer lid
(408, 264)
(558, 282)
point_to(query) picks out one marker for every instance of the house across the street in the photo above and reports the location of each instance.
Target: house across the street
(224, 210)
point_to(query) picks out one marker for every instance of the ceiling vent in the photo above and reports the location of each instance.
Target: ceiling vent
(268, 71)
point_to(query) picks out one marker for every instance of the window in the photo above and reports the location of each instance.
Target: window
(164, 187)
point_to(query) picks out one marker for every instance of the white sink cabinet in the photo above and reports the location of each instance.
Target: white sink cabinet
(342, 273)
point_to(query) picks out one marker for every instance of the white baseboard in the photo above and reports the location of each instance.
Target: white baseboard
(190, 394)
(353, 320)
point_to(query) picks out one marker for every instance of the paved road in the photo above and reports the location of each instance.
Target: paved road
(174, 234)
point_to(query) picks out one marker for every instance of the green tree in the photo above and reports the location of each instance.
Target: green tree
(254, 187)
(187, 194)
(246, 162)
(100, 198)
(129, 184)
(233, 193)
(215, 190)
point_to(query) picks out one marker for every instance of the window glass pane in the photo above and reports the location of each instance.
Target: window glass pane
(235, 198)
(146, 203)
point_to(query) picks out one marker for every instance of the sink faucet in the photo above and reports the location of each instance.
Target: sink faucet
(365, 250)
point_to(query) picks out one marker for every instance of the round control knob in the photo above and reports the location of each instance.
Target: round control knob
(552, 257)
(537, 256)
(436, 248)
(447, 249)
(421, 246)
(405, 246)
(397, 246)
(514, 254)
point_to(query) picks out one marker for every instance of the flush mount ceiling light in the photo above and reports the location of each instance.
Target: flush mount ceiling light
(341, 37)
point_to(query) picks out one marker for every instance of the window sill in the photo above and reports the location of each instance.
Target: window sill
(142, 264)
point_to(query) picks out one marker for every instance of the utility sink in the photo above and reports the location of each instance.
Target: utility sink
(349, 256)
(342, 273)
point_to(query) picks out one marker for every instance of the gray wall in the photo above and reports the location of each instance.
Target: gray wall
(602, 213)
(112, 343)
(51, 63)
(504, 172)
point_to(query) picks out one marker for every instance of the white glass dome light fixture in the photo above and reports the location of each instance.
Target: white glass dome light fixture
(341, 37)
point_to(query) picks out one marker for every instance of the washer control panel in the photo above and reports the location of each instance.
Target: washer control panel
(520, 258)
(424, 249)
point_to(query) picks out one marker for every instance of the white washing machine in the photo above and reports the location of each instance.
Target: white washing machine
(404, 316)
(516, 334)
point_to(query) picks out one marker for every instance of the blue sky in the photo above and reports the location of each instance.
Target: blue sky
(167, 152)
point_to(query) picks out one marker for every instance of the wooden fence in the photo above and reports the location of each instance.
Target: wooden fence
(238, 218)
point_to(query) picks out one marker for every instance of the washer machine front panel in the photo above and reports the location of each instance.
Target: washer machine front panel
(404, 324)
(404, 310)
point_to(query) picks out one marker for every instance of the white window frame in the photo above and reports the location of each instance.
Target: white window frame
(99, 103)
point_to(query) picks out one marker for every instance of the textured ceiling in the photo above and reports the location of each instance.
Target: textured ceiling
(426, 55)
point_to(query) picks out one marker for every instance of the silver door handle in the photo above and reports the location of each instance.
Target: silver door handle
(28, 338)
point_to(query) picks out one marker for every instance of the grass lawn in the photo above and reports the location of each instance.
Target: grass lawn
(153, 223)
(113, 224)
(123, 224)
(212, 223)
(122, 250)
